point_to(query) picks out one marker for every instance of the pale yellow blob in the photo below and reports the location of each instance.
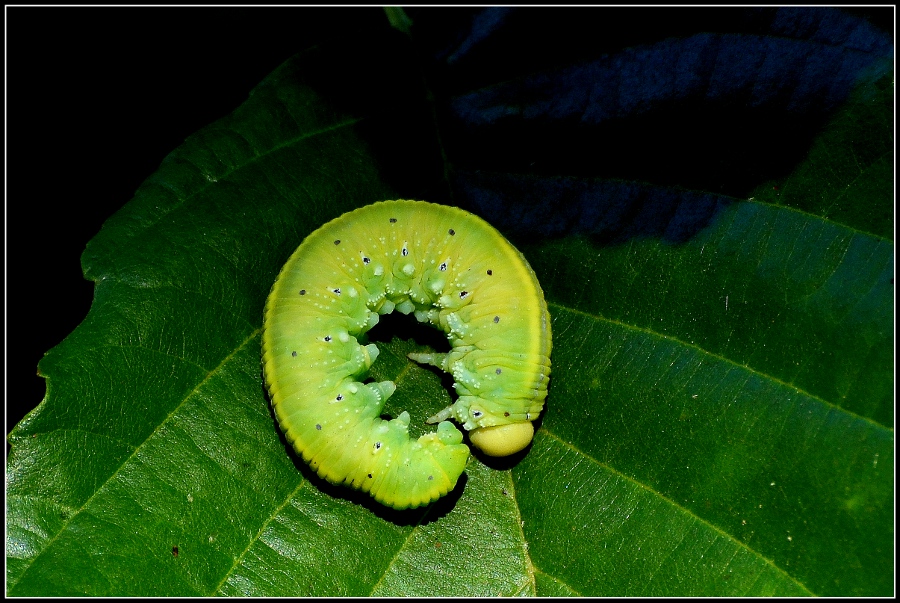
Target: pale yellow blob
(502, 440)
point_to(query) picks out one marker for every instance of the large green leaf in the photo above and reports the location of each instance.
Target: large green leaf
(721, 406)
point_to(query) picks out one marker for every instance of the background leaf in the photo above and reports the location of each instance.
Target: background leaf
(706, 205)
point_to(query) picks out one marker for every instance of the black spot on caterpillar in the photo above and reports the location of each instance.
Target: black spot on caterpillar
(422, 259)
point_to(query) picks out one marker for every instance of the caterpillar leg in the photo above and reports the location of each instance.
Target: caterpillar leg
(438, 360)
(381, 392)
(441, 416)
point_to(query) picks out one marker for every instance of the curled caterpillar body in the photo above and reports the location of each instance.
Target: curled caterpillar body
(450, 269)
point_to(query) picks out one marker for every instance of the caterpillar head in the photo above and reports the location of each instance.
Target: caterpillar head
(502, 440)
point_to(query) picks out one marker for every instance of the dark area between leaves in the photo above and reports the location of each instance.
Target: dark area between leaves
(96, 98)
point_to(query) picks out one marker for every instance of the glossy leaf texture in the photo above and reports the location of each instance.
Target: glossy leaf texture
(708, 205)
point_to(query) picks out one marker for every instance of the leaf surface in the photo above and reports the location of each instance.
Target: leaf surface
(720, 419)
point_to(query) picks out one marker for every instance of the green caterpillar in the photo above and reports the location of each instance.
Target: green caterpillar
(449, 268)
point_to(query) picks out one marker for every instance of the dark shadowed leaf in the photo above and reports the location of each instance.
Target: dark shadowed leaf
(708, 206)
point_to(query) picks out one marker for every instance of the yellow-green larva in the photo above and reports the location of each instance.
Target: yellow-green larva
(449, 268)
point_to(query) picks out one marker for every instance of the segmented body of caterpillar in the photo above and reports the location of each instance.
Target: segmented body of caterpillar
(449, 268)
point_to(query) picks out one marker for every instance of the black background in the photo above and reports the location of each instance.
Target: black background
(95, 99)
